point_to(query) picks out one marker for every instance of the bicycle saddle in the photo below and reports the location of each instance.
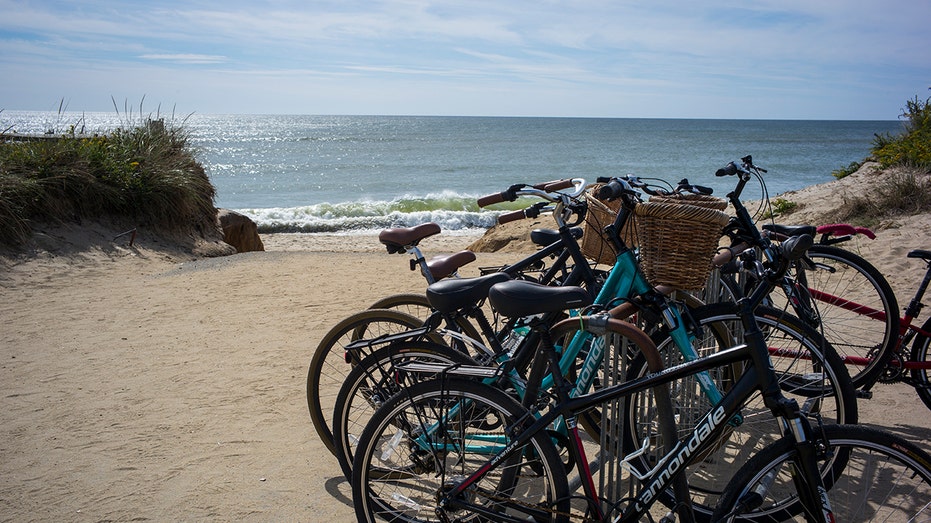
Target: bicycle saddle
(791, 230)
(518, 298)
(451, 295)
(398, 239)
(443, 266)
(544, 237)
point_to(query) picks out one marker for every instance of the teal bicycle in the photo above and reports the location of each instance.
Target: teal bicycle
(680, 331)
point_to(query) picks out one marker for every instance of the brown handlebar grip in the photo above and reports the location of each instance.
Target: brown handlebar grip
(542, 186)
(558, 185)
(490, 199)
(727, 255)
(512, 216)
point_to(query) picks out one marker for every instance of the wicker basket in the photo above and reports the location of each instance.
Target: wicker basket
(595, 244)
(701, 200)
(677, 242)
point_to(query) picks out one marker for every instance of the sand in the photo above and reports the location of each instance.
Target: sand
(144, 385)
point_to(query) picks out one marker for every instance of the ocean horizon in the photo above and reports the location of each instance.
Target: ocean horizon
(358, 174)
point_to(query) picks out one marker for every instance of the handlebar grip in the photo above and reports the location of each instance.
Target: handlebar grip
(727, 255)
(611, 190)
(556, 185)
(701, 189)
(485, 201)
(512, 216)
(796, 246)
(728, 170)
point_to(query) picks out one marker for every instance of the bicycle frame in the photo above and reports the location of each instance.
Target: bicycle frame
(625, 281)
(758, 376)
(907, 328)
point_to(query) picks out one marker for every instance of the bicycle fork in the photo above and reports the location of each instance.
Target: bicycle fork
(806, 475)
(812, 494)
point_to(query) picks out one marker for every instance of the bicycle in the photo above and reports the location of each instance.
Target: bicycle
(897, 366)
(837, 290)
(449, 448)
(715, 327)
(841, 293)
(333, 360)
(406, 240)
(625, 281)
(369, 381)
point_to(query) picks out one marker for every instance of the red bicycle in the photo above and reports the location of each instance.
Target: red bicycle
(894, 362)
(848, 299)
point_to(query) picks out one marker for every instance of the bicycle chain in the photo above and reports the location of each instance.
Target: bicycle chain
(507, 499)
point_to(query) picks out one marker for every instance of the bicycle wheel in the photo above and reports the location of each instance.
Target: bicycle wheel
(409, 303)
(422, 443)
(329, 365)
(809, 371)
(417, 305)
(856, 309)
(885, 479)
(920, 355)
(371, 383)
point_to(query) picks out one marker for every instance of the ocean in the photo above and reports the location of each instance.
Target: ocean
(357, 174)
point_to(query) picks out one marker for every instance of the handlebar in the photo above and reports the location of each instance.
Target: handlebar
(742, 166)
(531, 212)
(795, 247)
(560, 197)
(618, 186)
(544, 190)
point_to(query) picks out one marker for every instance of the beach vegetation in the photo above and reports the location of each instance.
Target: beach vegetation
(779, 206)
(911, 148)
(846, 171)
(145, 171)
(904, 192)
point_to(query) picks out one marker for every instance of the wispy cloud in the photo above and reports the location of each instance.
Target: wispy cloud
(186, 58)
(774, 51)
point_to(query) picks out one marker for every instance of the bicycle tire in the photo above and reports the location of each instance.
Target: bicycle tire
(853, 333)
(395, 479)
(371, 383)
(417, 305)
(824, 386)
(884, 478)
(329, 366)
(408, 302)
(921, 353)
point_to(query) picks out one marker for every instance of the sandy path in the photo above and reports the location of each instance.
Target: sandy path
(137, 386)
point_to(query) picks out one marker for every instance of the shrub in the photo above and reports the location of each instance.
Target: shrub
(779, 206)
(846, 171)
(147, 173)
(913, 147)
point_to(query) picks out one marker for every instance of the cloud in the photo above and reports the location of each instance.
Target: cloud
(186, 58)
(570, 57)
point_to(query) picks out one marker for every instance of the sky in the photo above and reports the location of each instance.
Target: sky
(775, 59)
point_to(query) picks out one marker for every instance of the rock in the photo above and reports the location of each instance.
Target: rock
(240, 231)
(511, 237)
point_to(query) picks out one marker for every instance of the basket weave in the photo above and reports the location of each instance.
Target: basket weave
(595, 244)
(677, 242)
(701, 200)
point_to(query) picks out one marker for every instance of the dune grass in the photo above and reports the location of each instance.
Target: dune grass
(913, 147)
(146, 173)
(910, 149)
(904, 191)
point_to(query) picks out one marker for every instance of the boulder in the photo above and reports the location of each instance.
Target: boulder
(511, 237)
(240, 231)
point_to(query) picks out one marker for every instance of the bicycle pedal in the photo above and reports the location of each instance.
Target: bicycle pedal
(865, 394)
